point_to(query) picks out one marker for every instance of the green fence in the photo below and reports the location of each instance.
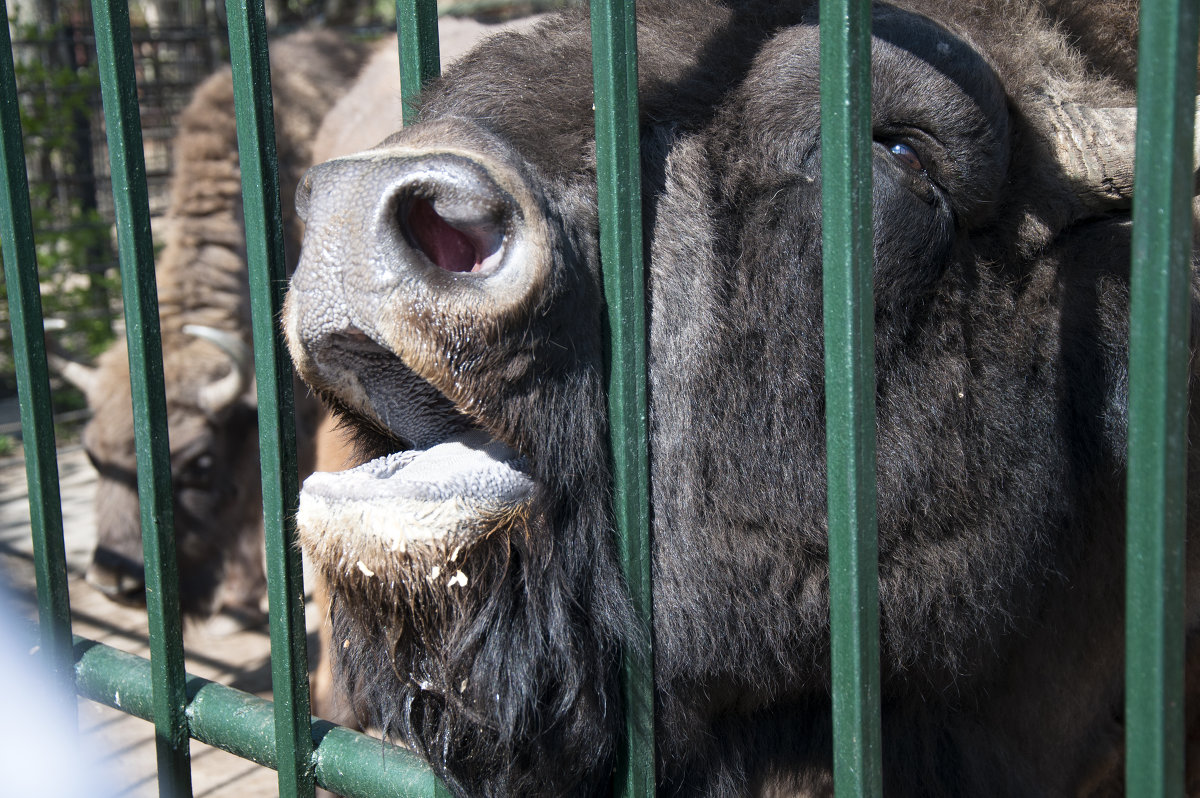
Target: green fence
(305, 751)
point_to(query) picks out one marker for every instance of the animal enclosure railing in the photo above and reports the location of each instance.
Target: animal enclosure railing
(280, 734)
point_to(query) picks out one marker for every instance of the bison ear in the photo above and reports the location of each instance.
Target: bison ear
(84, 377)
(217, 397)
(1095, 149)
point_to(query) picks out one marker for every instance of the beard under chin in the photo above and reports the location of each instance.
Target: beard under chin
(480, 656)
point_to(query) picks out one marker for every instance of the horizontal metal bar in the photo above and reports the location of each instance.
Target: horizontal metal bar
(346, 762)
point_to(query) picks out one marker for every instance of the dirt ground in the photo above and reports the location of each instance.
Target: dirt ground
(220, 649)
(217, 650)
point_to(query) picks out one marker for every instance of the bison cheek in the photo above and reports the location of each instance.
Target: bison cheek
(913, 237)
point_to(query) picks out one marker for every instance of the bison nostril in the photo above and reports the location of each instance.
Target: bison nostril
(460, 247)
(448, 248)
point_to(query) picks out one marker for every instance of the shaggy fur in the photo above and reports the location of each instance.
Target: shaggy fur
(202, 279)
(1001, 325)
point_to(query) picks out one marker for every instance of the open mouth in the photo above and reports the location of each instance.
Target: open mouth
(448, 483)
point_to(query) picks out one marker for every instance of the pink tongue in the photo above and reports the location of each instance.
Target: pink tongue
(445, 246)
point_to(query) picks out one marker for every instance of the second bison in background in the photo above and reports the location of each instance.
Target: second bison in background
(208, 365)
(448, 304)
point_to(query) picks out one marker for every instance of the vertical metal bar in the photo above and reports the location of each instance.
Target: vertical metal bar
(123, 121)
(618, 171)
(276, 408)
(33, 384)
(1158, 400)
(420, 62)
(850, 392)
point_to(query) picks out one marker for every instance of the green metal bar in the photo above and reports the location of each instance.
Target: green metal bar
(33, 384)
(420, 62)
(346, 762)
(618, 172)
(122, 119)
(850, 393)
(276, 407)
(1158, 399)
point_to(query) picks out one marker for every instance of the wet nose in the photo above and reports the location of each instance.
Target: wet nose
(399, 240)
(412, 216)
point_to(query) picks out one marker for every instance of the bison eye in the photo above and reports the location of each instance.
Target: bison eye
(199, 471)
(906, 155)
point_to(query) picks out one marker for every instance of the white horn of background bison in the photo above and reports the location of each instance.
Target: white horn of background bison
(1096, 149)
(76, 372)
(224, 392)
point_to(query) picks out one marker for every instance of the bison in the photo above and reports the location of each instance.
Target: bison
(208, 365)
(447, 304)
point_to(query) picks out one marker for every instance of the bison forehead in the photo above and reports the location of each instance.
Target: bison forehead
(926, 83)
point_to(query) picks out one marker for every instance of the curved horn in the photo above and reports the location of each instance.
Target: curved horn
(84, 377)
(1095, 147)
(224, 392)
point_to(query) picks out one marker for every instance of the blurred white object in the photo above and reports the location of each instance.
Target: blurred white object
(41, 752)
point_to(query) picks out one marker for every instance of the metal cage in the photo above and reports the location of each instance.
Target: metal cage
(306, 751)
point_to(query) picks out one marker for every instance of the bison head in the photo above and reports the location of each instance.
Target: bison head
(447, 303)
(213, 426)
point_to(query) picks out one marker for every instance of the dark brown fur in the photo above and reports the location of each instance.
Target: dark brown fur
(1001, 325)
